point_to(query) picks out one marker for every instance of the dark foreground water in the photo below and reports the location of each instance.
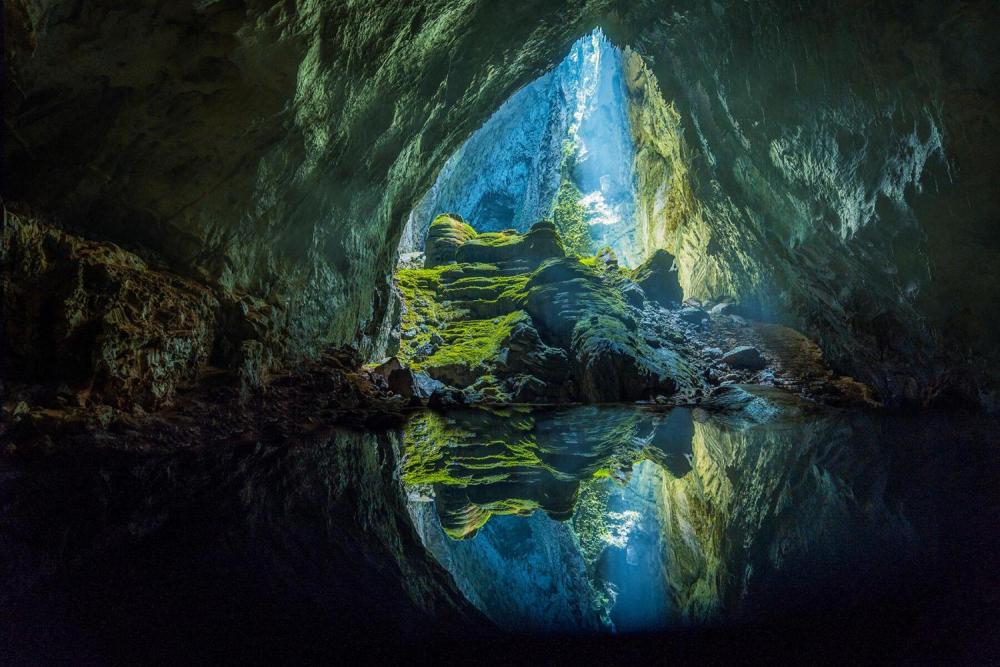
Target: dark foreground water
(583, 532)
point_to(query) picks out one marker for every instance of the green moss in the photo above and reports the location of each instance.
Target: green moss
(488, 296)
(447, 233)
(419, 291)
(472, 343)
(496, 239)
(570, 220)
(439, 451)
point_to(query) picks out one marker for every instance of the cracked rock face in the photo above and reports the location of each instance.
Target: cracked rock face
(831, 165)
(109, 323)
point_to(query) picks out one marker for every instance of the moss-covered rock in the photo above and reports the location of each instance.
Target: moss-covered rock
(582, 311)
(539, 243)
(541, 326)
(447, 234)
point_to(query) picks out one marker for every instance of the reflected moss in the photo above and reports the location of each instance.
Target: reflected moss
(478, 463)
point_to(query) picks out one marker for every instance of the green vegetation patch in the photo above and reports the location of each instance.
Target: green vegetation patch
(472, 343)
(419, 290)
(570, 219)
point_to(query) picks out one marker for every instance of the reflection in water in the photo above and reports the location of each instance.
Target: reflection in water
(628, 519)
(581, 519)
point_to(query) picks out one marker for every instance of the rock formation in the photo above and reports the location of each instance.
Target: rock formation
(830, 165)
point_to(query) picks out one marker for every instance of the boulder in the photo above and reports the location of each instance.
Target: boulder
(692, 315)
(424, 385)
(633, 295)
(723, 309)
(398, 379)
(458, 373)
(525, 352)
(658, 278)
(745, 357)
(527, 389)
(446, 397)
(447, 233)
(424, 350)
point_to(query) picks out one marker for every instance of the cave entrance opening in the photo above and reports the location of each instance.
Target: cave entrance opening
(540, 207)
(559, 149)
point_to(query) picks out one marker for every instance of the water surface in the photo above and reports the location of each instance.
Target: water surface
(623, 519)
(599, 531)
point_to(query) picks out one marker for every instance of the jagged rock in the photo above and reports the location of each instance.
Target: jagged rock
(579, 312)
(658, 278)
(424, 350)
(527, 389)
(634, 295)
(255, 362)
(446, 397)
(424, 385)
(386, 368)
(745, 357)
(724, 308)
(94, 315)
(398, 379)
(459, 374)
(525, 352)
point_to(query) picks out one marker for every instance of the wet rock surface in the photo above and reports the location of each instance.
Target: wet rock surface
(657, 277)
(334, 389)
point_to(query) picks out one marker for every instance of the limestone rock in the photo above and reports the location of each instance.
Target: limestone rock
(692, 315)
(658, 278)
(446, 235)
(97, 316)
(745, 357)
(446, 397)
(634, 295)
(539, 243)
(398, 379)
(424, 385)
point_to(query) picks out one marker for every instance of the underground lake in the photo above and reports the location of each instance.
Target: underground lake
(459, 331)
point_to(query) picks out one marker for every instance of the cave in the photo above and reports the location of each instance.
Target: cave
(553, 331)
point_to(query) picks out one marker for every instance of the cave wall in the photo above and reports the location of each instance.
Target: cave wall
(818, 162)
(267, 150)
(506, 175)
(840, 155)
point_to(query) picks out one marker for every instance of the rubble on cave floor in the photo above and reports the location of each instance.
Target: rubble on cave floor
(292, 406)
(510, 318)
